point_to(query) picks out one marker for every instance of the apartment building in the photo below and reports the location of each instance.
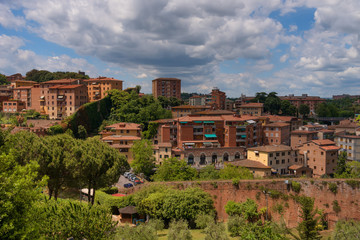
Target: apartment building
(199, 100)
(13, 106)
(277, 133)
(299, 137)
(64, 100)
(21, 83)
(209, 139)
(311, 101)
(23, 94)
(218, 99)
(254, 109)
(321, 156)
(278, 157)
(167, 87)
(350, 144)
(98, 87)
(184, 110)
(295, 123)
(121, 136)
(348, 125)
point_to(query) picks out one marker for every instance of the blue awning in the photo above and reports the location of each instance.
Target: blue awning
(210, 135)
(183, 122)
(208, 121)
(197, 121)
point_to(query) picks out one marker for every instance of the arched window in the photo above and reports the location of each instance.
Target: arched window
(214, 158)
(226, 157)
(202, 159)
(237, 155)
(191, 159)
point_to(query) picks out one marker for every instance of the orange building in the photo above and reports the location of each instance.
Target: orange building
(21, 83)
(98, 87)
(121, 136)
(13, 106)
(167, 87)
(23, 94)
(277, 133)
(299, 137)
(218, 99)
(321, 156)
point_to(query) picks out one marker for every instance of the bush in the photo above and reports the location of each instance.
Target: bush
(215, 231)
(143, 231)
(247, 210)
(203, 220)
(336, 206)
(179, 230)
(296, 187)
(353, 183)
(111, 202)
(109, 190)
(279, 208)
(333, 187)
(236, 182)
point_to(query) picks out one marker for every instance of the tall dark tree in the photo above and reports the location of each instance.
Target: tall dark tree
(272, 103)
(287, 109)
(3, 80)
(260, 97)
(304, 110)
(342, 168)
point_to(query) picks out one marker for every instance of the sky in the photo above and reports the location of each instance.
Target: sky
(239, 46)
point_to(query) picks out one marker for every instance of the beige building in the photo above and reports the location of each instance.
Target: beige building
(278, 157)
(167, 87)
(184, 110)
(257, 168)
(350, 144)
(254, 109)
(121, 136)
(321, 156)
(98, 87)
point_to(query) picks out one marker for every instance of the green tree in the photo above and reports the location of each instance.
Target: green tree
(272, 103)
(173, 169)
(143, 162)
(203, 220)
(230, 172)
(304, 110)
(287, 109)
(19, 190)
(345, 230)
(308, 227)
(247, 210)
(215, 231)
(3, 80)
(179, 230)
(151, 131)
(342, 169)
(99, 165)
(82, 133)
(209, 172)
(56, 129)
(260, 97)
(143, 231)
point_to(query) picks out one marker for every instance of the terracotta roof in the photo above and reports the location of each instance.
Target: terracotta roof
(66, 86)
(190, 106)
(165, 120)
(271, 148)
(348, 136)
(68, 80)
(302, 132)
(249, 164)
(277, 124)
(296, 167)
(102, 79)
(164, 144)
(323, 142)
(251, 105)
(330, 148)
(124, 126)
(215, 112)
(121, 137)
(23, 87)
(326, 130)
(169, 79)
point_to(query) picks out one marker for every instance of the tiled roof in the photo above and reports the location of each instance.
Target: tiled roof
(102, 79)
(124, 126)
(326, 131)
(251, 105)
(121, 137)
(215, 112)
(271, 148)
(330, 148)
(190, 107)
(296, 167)
(249, 164)
(169, 79)
(323, 142)
(349, 136)
(302, 132)
(277, 124)
(66, 86)
(59, 81)
(23, 87)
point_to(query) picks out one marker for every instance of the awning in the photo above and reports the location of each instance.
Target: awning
(243, 136)
(210, 135)
(197, 121)
(42, 97)
(251, 121)
(208, 121)
(189, 144)
(183, 122)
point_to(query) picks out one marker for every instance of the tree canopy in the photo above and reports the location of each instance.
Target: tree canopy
(143, 162)
(173, 169)
(3, 80)
(44, 75)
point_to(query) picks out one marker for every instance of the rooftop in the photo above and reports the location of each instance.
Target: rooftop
(323, 142)
(271, 148)
(249, 164)
(121, 137)
(66, 86)
(101, 79)
(302, 132)
(252, 105)
(124, 126)
(330, 148)
(277, 124)
(167, 79)
(61, 81)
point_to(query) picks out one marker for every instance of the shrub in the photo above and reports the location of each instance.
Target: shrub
(353, 183)
(109, 190)
(214, 184)
(143, 231)
(257, 196)
(203, 220)
(236, 182)
(333, 187)
(179, 230)
(312, 182)
(111, 202)
(279, 208)
(336, 206)
(274, 194)
(296, 187)
(215, 231)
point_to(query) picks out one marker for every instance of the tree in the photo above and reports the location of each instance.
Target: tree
(3, 80)
(287, 109)
(308, 227)
(230, 172)
(173, 169)
(99, 165)
(272, 103)
(260, 97)
(345, 230)
(215, 231)
(151, 131)
(179, 230)
(304, 110)
(143, 231)
(342, 169)
(143, 162)
(247, 210)
(19, 190)
(56, 129)
(82, 133)
(209, 172)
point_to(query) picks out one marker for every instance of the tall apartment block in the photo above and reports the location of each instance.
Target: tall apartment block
(218, 99)
(167, 87)
(98, 87)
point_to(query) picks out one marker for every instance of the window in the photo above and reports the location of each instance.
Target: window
(202, 159)
(257, 154)
(166, 150)
(166, 156)
(271, 155)
(283, 161)
(127, 131)
(160, 156)
(277, 161)
(277, 154)
(270, 163)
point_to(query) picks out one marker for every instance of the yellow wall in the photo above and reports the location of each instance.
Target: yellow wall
(262, 158)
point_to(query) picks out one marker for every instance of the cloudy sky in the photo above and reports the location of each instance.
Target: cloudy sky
(240, 46)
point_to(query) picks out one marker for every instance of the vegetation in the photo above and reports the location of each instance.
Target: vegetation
(179, 230)
(296, 187)
(143, 231)
(308, 227)
(143, 162)
(336, 206)
(234, 172)
(43, 75)
(345, 230)
(173, 169)
(3, 80)
(333, 187)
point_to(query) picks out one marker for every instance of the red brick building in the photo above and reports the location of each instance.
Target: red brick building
(218, 99)
(13, 106)
(277, 133)
(311, 101)
(167, 87)
(299, 137)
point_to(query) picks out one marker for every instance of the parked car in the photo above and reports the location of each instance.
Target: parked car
(137, 182)
(128, 185)
(127, 174)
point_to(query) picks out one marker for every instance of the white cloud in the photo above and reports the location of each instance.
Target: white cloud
(8, 19)
(142, 75)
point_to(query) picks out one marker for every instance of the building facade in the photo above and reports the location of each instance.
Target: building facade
(277, 133)
(167, 87)
(311, 101)
(254, 109)
(184, 110)
(98, 87)
(350, 144)
(218, 99)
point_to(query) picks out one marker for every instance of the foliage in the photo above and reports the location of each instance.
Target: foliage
(156, 224)
(111, 202)
(247, 210)
(109, 190)
(353, 183)
(99, 165)
(19, 190)
(308, 227)
(43, 75)
(3, 80)
(342, 168)
(151, 130)
(143, 231)
(169, 102)
(173, 169)
(215, 231)
(333, 187)
(130, 107)
(230, 172)
(208, 172)
(304, 110)
(179, 230)
(260, 97)
(202, 220)
(345, 230)
(82, 133)
(56, 129)
(235, 182)
(296, 187)
(143, 162)
(69, 218)
(287, 109)
(272, 103)
(336, 206)
(168, 203)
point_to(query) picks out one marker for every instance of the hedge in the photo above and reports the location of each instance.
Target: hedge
(113, 203)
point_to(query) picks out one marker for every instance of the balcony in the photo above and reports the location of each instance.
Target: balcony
(60, 97)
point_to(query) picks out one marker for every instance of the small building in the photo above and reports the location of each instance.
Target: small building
(130, 215)
(299, 137)
(13, 106)
(254, 109)
(257, 168)
(300, 170)
(167, 87)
